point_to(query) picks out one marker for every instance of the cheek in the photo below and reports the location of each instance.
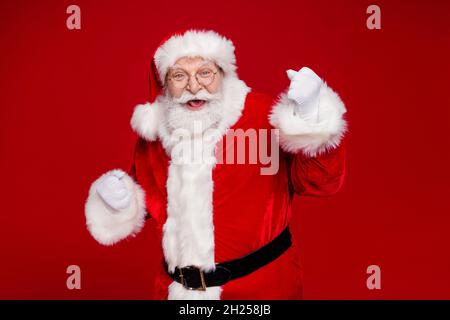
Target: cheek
(215, 86)
(174, 92)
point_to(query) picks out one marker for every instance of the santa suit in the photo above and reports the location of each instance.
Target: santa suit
(221, 210)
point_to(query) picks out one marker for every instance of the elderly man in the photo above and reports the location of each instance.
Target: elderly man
(223, 224)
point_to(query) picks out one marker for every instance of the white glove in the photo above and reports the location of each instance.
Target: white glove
(113, 191)
(304, 90)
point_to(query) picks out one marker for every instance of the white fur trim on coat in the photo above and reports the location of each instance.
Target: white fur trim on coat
(178, 292)
(188, 233)
(196, 43)
(313, 135)
(108, 225)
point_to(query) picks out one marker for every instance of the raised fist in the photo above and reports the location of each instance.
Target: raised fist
(304, 90)
(113, 191)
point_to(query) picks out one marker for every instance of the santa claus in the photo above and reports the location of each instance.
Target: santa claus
(223, 225)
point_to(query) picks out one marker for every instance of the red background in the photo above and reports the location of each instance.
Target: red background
(67, 97)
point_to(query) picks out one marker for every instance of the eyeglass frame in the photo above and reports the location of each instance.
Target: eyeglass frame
(196, 74)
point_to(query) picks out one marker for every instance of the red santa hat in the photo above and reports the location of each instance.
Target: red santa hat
(207, 44)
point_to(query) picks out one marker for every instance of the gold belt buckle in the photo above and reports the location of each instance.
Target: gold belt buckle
(202, 279)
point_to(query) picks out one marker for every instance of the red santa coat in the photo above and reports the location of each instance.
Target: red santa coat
(249, 209)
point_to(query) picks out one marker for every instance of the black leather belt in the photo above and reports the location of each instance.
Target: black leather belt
(193, 278)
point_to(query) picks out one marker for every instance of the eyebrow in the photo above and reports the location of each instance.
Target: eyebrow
(177, 67)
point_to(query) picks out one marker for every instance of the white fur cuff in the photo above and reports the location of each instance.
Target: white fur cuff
(315, 135)
(109, 226)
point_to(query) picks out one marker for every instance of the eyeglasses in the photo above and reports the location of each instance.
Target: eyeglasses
(204, 77)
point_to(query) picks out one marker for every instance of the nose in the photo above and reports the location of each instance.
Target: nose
(193, 85)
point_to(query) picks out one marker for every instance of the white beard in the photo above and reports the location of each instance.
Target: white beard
(180, 117)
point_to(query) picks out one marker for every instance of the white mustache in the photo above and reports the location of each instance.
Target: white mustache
(201, 95)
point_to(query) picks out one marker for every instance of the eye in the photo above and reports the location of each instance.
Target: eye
(205, 73)
(179, 76)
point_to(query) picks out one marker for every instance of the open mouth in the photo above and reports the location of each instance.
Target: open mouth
(195, 104)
